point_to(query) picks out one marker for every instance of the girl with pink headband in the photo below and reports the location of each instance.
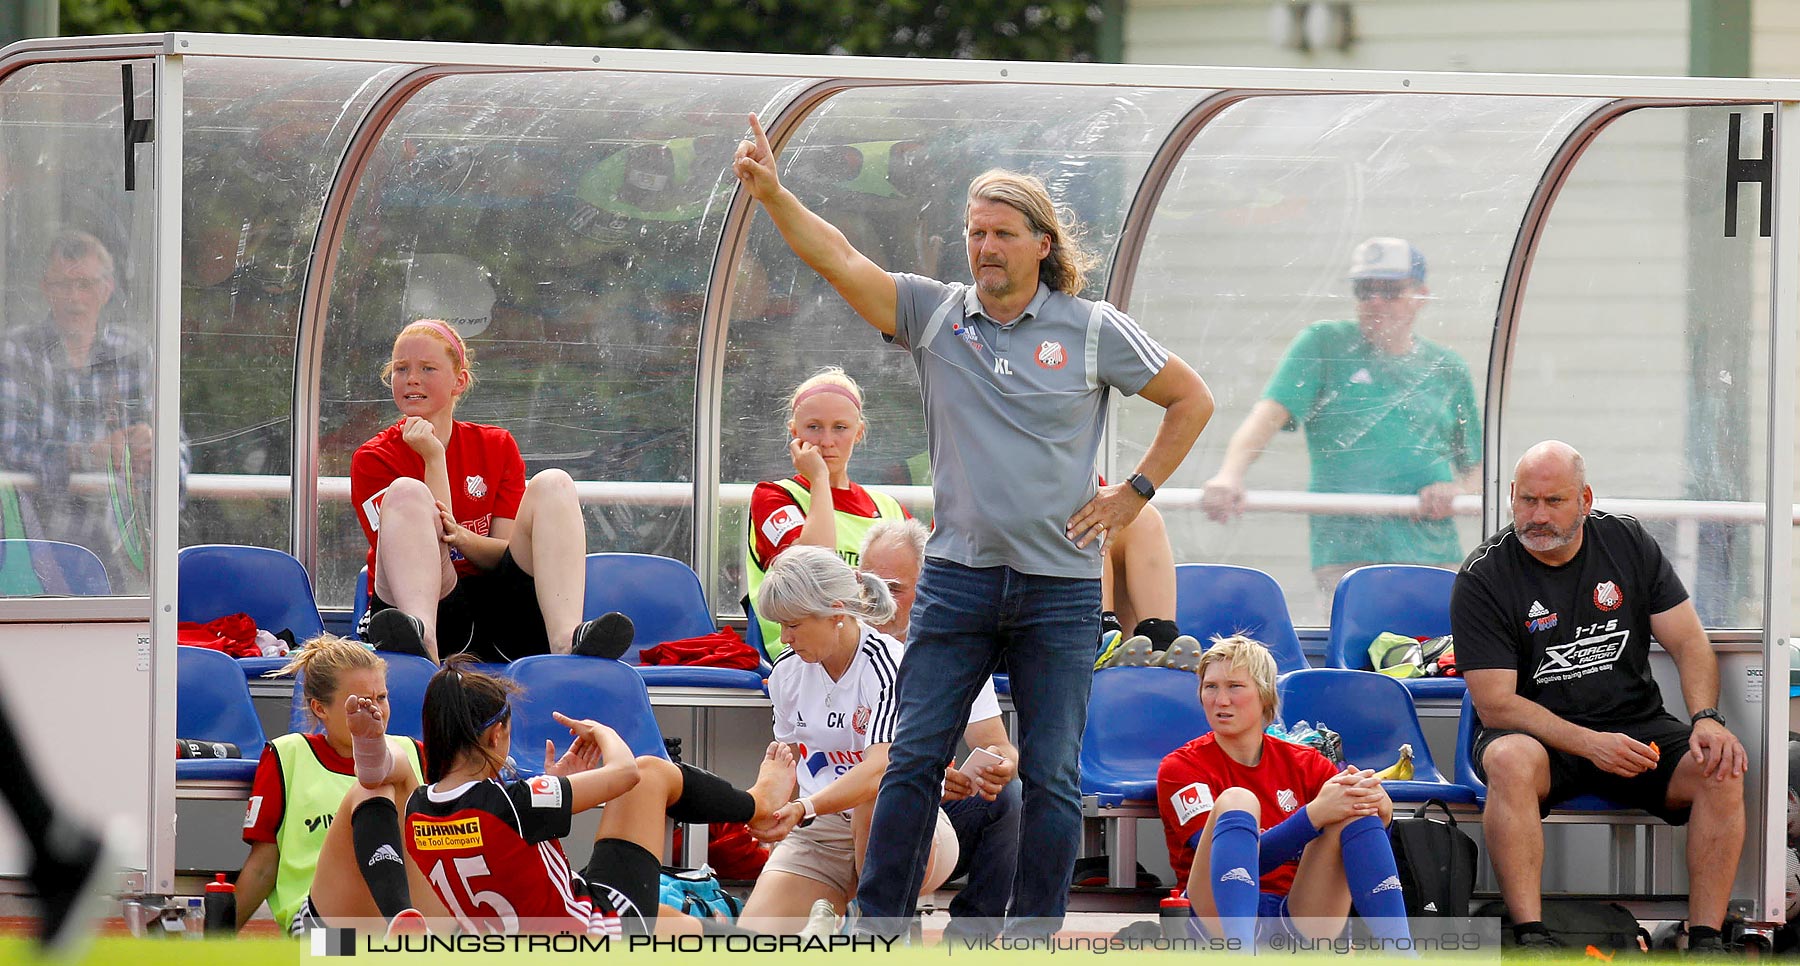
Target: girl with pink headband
(465, 553)
(819, 505)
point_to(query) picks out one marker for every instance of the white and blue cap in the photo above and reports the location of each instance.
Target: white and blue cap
(1388, 258)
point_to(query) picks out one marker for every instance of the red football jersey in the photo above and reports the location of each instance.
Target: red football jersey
(487, 479)
(1287, 777)
(776, 517)
(491, 854)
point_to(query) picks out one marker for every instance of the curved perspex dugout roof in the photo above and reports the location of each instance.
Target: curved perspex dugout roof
(1585, 258)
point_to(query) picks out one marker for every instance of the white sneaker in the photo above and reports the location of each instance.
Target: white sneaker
(823, 921)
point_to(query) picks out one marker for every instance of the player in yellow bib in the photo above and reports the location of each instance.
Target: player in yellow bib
(819, 506)
(302, 780)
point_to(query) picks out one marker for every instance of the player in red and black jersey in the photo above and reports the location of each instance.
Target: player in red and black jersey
(465, 554)
(489, 847)
(1278, 837)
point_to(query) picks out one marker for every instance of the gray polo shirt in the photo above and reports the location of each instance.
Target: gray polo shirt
(1013, 414)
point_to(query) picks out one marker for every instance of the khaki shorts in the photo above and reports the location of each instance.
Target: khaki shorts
(825, 851)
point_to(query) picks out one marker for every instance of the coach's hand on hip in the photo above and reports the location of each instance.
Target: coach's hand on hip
(1113, 508)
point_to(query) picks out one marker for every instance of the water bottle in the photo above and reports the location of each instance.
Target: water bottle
(194, 922)
(221, 907)
(1174, 912)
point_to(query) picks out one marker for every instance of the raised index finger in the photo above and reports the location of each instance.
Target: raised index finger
(762, 138)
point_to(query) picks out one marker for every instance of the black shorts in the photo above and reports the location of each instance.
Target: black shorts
(625, 879)
(493, 615)
(1572, 775)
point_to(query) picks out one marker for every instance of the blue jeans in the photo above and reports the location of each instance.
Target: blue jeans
(964, 622)
(987, 835)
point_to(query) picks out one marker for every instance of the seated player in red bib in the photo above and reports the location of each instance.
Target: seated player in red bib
(465, 554)
(490, 848)
(1268, 834)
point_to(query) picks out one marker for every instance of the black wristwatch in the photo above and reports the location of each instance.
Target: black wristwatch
(1712, 713)
(1142, 485)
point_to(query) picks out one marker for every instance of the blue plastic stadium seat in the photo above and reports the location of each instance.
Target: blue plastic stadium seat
(753, 632)
(1467, 729)
(360, 602)
(61, 569)
(1375, 716)
(1136, 716)
(1222, 600)
(407, 675)
(607, 691)
(1402, 598)
(212, 703)
(665, 602)
(269, 585)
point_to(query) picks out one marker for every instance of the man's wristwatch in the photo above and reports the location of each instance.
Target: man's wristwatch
(1712, 713)
(1142, 485)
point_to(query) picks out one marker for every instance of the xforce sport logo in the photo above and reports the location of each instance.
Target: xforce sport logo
(1583, 656)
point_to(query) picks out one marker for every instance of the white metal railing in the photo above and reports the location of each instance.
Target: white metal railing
(245, 486)
(1687, 514)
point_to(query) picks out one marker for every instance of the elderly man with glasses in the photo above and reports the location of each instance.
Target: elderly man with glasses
(1384, 410)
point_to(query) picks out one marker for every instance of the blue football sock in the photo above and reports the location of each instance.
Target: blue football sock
(1284, 843)
(1374, 881)
(1235, 889)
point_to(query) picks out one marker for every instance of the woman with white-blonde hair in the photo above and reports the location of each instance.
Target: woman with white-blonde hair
(833, 696)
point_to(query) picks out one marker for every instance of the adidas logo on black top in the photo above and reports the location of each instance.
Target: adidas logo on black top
(1537, 609)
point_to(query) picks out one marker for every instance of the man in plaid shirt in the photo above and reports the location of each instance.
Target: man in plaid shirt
(75, 398)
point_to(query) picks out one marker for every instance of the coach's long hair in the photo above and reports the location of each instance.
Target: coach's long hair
(461, 704)
(1065, 269)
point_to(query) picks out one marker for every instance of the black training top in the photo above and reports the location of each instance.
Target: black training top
(1578, 634)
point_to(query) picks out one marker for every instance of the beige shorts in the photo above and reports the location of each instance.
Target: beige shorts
(825, 851)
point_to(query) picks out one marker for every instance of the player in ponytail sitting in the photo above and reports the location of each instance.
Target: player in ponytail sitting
(1277, 837)
(323, 807)
(489, 848)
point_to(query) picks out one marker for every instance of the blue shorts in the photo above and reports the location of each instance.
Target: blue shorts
(1271, 917)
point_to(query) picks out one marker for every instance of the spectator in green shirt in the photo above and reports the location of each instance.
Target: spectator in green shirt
(1384, 410)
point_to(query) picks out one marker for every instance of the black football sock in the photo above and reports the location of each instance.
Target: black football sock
(1109, 622)
(375, 836)
(707, 799)
(1161, 632)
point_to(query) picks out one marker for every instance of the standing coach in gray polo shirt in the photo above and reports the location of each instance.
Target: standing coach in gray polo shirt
(1015, 372)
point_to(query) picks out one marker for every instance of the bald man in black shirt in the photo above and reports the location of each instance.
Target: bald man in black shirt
(1553, 618)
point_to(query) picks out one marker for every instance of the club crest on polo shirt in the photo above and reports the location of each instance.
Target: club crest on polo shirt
(781, 521)
(1539, 618)
(1608, 596)
(1287, 800)
(1051, 355)
(859, 721)
(475, 486)
(1191, 801)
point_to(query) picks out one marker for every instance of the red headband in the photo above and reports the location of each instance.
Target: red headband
(830, 387)
(449, 334)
